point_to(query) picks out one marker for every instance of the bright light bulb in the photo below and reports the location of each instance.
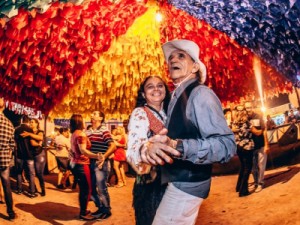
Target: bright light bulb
(158, 17)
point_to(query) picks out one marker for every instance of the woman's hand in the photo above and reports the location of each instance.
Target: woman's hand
(159, 150)
(25, 134)
(100, 160)
(100, 157)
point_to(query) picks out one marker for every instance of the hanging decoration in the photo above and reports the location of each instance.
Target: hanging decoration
(72, 56)
(43, 55)
(229, 65)
(112, 83)
(270, 29)
(23, 110)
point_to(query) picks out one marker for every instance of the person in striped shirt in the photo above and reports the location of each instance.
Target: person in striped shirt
(101, 141)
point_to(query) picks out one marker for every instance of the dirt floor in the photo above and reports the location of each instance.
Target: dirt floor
(278, 203)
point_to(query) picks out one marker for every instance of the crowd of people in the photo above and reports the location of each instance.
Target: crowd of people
(85, 155)
(172, 141)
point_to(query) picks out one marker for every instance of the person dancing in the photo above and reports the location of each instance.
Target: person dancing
(80, 160)
(147, 119)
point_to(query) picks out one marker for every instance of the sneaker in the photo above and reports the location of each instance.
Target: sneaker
(97, 214)
(19, 192)
(11, 216)
(259, 188)
(104, 216)
(61, 186)
(87, 217)
(32, 195)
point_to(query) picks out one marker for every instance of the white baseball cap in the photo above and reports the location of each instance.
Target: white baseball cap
(190, 48)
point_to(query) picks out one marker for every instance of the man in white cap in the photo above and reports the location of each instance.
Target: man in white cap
(197, 135)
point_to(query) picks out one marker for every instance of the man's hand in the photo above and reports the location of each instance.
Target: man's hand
(158, 150)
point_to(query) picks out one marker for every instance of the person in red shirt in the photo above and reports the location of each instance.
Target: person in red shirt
(80, 161)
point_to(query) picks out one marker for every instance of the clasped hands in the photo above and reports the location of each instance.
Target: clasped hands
(100, 160)
(159, 149)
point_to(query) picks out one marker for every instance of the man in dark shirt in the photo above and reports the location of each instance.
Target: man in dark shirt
(24, 154)
(7, 144)
(260, 155)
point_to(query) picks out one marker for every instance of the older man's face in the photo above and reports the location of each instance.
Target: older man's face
(180, 65)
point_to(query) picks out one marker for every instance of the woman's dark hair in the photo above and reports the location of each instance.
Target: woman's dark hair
(141, 101)
(37, 122)
(226, 110)
(76, 122)
(63, 129)
(25, 119)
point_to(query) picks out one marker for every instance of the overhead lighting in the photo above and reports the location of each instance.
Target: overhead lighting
(158, 16)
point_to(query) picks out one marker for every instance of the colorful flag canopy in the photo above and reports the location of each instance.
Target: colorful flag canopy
(64, 57)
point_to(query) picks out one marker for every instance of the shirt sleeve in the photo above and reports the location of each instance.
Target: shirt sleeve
(12, 143)
(138, 129)
(81, 140)
(217, 143)
(106, 135)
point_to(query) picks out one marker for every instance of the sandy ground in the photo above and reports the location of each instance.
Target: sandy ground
(278, 203)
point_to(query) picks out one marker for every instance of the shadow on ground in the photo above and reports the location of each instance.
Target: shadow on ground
(51, 212)
(281, 177)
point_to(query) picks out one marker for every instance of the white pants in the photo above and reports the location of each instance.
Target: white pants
(177, 207)
(259, 165)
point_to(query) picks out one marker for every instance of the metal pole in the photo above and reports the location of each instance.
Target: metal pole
(296, 90)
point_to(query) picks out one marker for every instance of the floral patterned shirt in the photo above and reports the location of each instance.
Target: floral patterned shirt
(138, 134)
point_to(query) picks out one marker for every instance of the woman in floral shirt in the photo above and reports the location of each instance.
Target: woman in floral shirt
(245, 149)
(147, 119)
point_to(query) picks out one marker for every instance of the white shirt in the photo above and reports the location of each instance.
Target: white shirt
(63, 146)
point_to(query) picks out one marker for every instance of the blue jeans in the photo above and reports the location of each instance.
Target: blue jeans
(39, 163)
(4, 173)
(259, 165)
(31, 173)
(100, 193)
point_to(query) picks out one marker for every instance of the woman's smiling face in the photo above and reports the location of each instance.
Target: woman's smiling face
(154, 91)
